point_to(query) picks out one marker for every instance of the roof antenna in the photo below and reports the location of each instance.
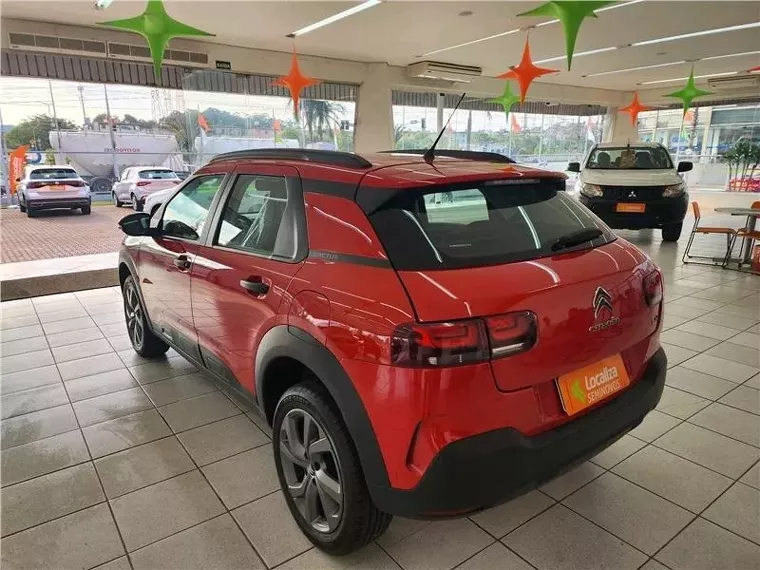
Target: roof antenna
(429, 155)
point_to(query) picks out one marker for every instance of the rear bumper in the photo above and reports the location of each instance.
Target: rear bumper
(658, 213)
(491, 468)
(62, 203)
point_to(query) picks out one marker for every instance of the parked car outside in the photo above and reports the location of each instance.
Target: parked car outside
(415, 356)
(138, 182)
(634, 187)
(51, 187)
(155, 200)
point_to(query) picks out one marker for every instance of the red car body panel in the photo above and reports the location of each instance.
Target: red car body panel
(353, 309)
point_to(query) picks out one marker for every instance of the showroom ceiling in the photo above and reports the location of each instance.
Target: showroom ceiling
(403, 32)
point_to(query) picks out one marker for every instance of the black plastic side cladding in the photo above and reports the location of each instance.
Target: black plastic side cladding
(291, 342)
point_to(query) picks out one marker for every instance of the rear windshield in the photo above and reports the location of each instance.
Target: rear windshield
(157, 174)
(629, 158)
(458, 227)
(52, 173)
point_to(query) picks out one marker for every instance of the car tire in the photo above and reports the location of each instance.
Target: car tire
(144, 342)
(672, 232)
(154, 210)
(116, 201)
(136, 206)
(21, 206)
(86, 210)
(340, 526)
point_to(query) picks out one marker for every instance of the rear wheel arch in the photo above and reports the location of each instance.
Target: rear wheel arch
(293, 350)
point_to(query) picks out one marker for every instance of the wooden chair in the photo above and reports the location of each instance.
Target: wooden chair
(745, 234)
(705, 230)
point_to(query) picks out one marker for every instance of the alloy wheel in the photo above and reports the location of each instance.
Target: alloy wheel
(135, 321)
(312, 471)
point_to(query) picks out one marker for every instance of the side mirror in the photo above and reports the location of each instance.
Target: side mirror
(574, 167)
(685, 166)
(137, 224)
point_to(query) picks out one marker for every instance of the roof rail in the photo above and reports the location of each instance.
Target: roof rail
(464, 154)
(336, 158)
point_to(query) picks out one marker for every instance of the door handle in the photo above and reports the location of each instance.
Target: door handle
(181, 262)
(257, 287)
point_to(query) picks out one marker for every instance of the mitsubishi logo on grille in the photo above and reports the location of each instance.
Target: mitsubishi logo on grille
(631, 194)
(602, 302)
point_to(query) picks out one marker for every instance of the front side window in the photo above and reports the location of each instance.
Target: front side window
(185, 216)
(629, 158)
(253, 217)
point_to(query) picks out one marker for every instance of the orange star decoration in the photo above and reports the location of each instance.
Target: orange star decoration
(634, 108)
(526, 72)
(295, 82)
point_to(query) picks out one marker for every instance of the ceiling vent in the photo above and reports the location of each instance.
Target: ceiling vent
(56, 44)
(734, 83)
(441, 71)
(142, 53)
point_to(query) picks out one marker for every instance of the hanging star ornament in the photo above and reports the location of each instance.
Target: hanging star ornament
(507, 99)
(295, 82)
(688, 93)
(571, 15)
(157, 27)
(634, 108)
(526, 72)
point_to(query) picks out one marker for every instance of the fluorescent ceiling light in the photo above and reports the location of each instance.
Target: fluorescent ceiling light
(501, 35)
(725, 74)
(334, 18)
(577, 54)
(634, 68)
(510, 32)
(656, 65)
(729, 55)
(696, 34)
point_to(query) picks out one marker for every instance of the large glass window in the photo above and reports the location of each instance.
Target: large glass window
(548, 136)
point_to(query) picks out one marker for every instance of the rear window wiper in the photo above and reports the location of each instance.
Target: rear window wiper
(576, 238)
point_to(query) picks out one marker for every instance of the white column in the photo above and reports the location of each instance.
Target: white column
(374, 112)
(618, 128)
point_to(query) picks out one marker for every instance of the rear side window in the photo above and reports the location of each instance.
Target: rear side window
(52, 173)
(259, 217)
(157, 174)
(491, 224)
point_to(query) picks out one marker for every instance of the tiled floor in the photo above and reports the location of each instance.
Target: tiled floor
(114, 462)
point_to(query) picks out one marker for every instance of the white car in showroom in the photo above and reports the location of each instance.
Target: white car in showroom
(49, 187)
(138, 182)
(155, 200)
(634, 186)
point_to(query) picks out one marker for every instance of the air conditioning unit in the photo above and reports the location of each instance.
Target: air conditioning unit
(734, 83)
(171, 56)
(55, 44)
(442, 71)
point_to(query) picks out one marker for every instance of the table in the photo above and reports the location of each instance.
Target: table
(752, 215)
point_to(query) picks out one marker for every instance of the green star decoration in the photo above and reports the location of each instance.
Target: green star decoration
(571, 15)
(689, 93)
(157, 27)
(507, 99)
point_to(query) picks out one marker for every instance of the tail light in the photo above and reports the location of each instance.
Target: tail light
(463, 342)
(33, 185)
(653, 288)
(143, 183)
(75, 183)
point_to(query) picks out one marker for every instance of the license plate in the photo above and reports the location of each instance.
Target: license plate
(585, 387)
(631, 208)
(56, 187)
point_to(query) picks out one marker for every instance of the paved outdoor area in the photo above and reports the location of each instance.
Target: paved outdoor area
(59, 233)
(112, 460)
